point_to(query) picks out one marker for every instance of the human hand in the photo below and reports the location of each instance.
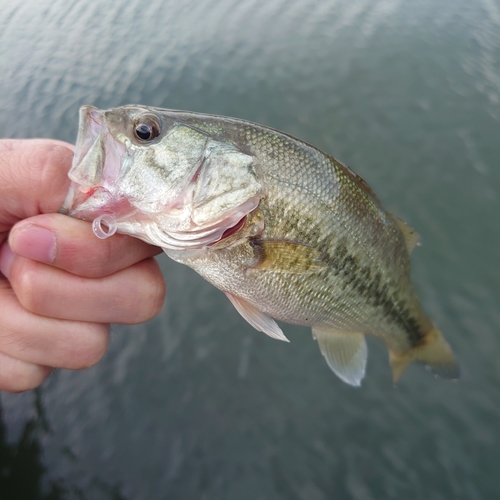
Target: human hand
(61, 286)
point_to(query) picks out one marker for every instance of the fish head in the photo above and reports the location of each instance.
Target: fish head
(151, 174)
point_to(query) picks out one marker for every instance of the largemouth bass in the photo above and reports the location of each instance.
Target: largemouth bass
(283, 229)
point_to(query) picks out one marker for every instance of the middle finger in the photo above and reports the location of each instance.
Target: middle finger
(132, 295)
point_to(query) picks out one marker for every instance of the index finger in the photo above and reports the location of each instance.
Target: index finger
(70, 244)
(33, 178)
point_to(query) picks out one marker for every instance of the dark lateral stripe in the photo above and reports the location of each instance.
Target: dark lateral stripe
(369, 285)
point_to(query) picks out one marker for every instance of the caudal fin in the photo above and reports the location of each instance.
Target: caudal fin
(434, 353)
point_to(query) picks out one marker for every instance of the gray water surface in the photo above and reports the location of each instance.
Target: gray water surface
(196, 404)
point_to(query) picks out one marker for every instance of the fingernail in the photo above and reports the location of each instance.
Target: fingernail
(34, 242)
(6, 258)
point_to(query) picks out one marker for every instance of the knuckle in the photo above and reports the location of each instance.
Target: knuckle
(54, 155)
(25, 285)
(18, 376)
(152, 293)
(89, 350)
(31, 378)
(49, 159)
(159, 296)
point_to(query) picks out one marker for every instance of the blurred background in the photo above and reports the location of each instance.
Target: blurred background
(196, 404)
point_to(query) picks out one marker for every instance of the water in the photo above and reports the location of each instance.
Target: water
(197, 405)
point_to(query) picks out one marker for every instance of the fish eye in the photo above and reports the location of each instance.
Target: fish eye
(146, 128)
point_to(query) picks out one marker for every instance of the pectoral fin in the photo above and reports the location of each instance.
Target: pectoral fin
(345, 353)
(286, 256)
(260, 321)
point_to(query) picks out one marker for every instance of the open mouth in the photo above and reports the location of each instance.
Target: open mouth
(95, 169)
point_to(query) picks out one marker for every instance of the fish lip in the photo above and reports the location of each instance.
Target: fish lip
(89, 128)
(86, 204)
(90, 125)
(96, 166)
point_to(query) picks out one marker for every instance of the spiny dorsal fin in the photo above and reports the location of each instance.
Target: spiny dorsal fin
(345, 353)
(260, 321)
(286, 256)
(434, 352)
(411, 237)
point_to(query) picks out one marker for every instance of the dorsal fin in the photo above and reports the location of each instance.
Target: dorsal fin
(411, 237)
(345, 353)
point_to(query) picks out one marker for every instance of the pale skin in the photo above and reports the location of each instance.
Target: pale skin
(60, 286)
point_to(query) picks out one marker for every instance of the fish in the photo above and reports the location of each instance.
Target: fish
(285, 230)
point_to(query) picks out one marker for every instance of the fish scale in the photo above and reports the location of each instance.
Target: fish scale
(285, 230)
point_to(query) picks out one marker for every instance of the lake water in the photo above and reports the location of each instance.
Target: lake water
(196, 404)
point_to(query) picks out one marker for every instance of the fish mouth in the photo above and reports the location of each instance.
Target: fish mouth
(96, 166)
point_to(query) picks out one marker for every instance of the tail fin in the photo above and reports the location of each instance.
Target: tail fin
(434, 352)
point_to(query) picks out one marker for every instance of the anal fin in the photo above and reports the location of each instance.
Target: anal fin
(260, 321)
(345, 353)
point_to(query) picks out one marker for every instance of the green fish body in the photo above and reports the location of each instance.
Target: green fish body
(283, 229)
